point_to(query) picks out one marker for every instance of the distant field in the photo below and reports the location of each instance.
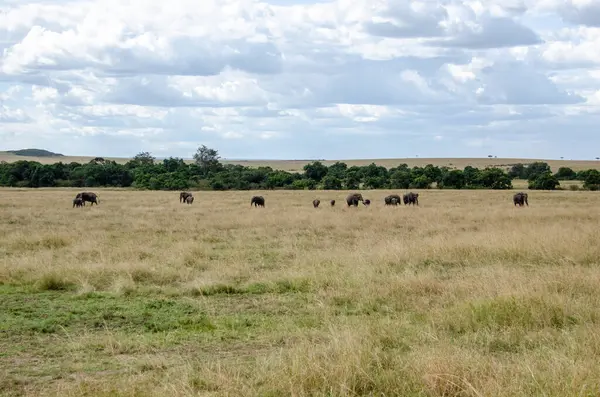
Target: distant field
(296, 165)
(465, 295)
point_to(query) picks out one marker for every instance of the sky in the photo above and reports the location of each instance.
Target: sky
(302, 79)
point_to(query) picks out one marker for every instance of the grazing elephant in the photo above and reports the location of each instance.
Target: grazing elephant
(411, 198)
(353, 199)
(189, 199)
(367, 202)
(78, 202)
(520, 199)
(183, 196)
(257, 201)
(415, 198)
(332, 202)
(316, 203)
(392, 199)
(88, 196)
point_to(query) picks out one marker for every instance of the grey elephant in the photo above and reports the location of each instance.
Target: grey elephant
(332, 202)
(78, 202)
(88, 196)
(411, 198)
(316, 203)
(520, 199)
(353, 199)
(257, 201)
(392, 199)
(183, 196)
(189, 199)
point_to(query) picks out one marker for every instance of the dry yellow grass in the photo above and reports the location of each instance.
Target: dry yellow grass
(297, 165)
(465, 295)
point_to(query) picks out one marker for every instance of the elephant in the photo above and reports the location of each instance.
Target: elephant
(411, 198)
(189, 199)
(367, 202)
(316, 203)
(183, 196)
(257, 201)
(392, 199)
(520, 199)
(88, 196)
(78, 202)
(353, 199)
(332, 202)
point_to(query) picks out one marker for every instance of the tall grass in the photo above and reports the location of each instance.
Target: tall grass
(464, 295)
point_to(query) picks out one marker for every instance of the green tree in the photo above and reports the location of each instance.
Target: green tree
(517, 171)
(352, 180)
(303, 184)
(279, 179)
(331, 182)
(174, 164)
(592, 180)
(565, 174)
(315, 171)
(494, 178)
(581, 175)
(338, 169)
(454, 179)
(207, 160)
(471, 176)
(141, 159)
(533, 170)
(375, 182)
(433, 173)
(400, 179)
(421, 182)
(545, 181)
(374, 171)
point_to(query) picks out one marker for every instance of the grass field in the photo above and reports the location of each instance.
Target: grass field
(296, 165)
(465, 295)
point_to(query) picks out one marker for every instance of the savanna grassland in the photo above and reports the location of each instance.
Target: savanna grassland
(297, 165)
(465, 295)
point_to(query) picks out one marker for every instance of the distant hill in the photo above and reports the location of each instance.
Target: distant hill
(35, 153)
(46, 157)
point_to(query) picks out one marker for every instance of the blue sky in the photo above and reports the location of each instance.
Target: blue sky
(286, 79)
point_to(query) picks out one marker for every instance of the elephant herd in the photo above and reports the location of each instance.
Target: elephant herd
(353, 199)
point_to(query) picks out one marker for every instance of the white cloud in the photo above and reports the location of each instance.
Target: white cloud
(301, 78)
(581, 12)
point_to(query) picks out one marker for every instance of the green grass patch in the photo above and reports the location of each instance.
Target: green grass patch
(528, 314)
(49, 312)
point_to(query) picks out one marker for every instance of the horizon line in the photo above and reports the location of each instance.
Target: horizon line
(312, 159)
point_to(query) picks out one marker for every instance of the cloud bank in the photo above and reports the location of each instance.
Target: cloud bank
(301, 78)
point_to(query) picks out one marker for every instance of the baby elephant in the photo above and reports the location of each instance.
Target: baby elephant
(78, 202)
(367, 202)
(316, 203)
(189, 199)
(332, 202)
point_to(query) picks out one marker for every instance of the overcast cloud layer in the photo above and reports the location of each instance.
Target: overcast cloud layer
(302, 78)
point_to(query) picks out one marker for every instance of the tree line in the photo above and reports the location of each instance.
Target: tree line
(208, 173)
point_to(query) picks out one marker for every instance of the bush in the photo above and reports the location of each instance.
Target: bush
(545, 181)
(592, 180)
(565, 174)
